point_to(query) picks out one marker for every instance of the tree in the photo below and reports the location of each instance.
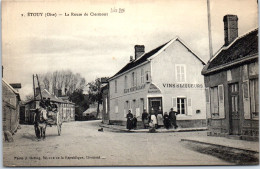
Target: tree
(95, 94)
(63, 80)
(81, 102)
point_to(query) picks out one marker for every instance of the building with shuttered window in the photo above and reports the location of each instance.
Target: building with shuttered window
(168, 76)
(231, 80)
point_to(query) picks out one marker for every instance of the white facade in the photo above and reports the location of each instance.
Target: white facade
(169, 78)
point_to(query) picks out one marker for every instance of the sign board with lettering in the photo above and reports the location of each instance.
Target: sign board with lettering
(153, 89)
(182, 85)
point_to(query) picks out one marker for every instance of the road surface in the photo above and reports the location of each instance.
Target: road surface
(81, 144)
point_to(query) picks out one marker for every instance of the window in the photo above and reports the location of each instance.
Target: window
(214, 101)
(106, 105)
(115, 86)
(142, 76)
(126, 82)
(254, 102)
(116, 106)
(134, 107)
(180, 73)
(133, 79)
(181, 105)
(234, 97)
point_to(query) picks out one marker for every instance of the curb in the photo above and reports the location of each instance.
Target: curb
(158, 131)
(221, 146)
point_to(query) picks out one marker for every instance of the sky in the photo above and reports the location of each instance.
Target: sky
(99, 46)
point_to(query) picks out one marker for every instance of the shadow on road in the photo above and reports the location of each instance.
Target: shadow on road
(228, 154)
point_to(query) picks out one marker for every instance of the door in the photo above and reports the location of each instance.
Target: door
(155, 103)
(234, 109)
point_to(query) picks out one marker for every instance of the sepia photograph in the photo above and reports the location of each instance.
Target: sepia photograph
(130, 83)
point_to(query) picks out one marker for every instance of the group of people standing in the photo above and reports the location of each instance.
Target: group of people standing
(153, 120)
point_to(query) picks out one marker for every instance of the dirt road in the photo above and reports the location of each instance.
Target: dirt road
(81, 144)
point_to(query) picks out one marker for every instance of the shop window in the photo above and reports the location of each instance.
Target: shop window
(181, 105)
(180, 70)
(254, 96)
(115, 86)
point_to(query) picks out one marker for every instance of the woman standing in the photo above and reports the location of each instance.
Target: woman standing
(129, 124)
(160, 117)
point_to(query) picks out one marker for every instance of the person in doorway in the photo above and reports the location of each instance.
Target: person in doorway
(154, 119)
(145, 119)
(166, 121)
(134, 122)
(129, 123)
(160, 117)
(172, 116)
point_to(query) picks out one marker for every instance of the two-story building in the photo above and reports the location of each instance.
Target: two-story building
(168, 76)
(231, 80)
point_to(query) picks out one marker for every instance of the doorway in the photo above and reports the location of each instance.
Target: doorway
(234, 109)
(155, 103)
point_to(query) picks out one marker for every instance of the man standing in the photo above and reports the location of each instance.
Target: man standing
(129, 123)
(172, 116)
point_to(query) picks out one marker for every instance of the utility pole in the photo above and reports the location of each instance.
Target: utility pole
(209, 30)
(33, 88)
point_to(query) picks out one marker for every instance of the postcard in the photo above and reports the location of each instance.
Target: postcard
(130, 83)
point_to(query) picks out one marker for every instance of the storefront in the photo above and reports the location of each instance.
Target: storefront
(164, 78)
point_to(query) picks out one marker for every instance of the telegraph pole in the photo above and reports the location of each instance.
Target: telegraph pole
(209, 30)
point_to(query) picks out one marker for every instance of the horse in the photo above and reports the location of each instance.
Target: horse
(40, 124)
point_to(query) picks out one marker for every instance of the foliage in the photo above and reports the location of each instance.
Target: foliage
(95, 94)
(81, 102)
(63, 80)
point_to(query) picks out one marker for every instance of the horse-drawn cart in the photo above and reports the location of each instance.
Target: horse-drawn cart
(46, 114)
(44, 118)
(54, 118)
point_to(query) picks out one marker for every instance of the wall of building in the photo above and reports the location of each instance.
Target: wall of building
(106, 106)
(67, 111)
(10, 109)
(164, 76)
(128, 93)
(221, 125)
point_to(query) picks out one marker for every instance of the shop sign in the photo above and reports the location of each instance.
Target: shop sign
(135, 88)
(182, 85)
(153, 89)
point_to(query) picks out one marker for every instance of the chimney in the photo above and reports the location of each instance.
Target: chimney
(230, 28)
(139, 50)
(131, 58)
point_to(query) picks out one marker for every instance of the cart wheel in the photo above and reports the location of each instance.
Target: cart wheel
(59, 129)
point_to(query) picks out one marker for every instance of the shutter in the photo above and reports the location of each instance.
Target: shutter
(246, 100)
(208, 102)
(137, 112)
(189, 105)
(221, 107)
(174, 103)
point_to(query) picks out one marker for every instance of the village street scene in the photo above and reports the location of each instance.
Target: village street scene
(188, 95)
